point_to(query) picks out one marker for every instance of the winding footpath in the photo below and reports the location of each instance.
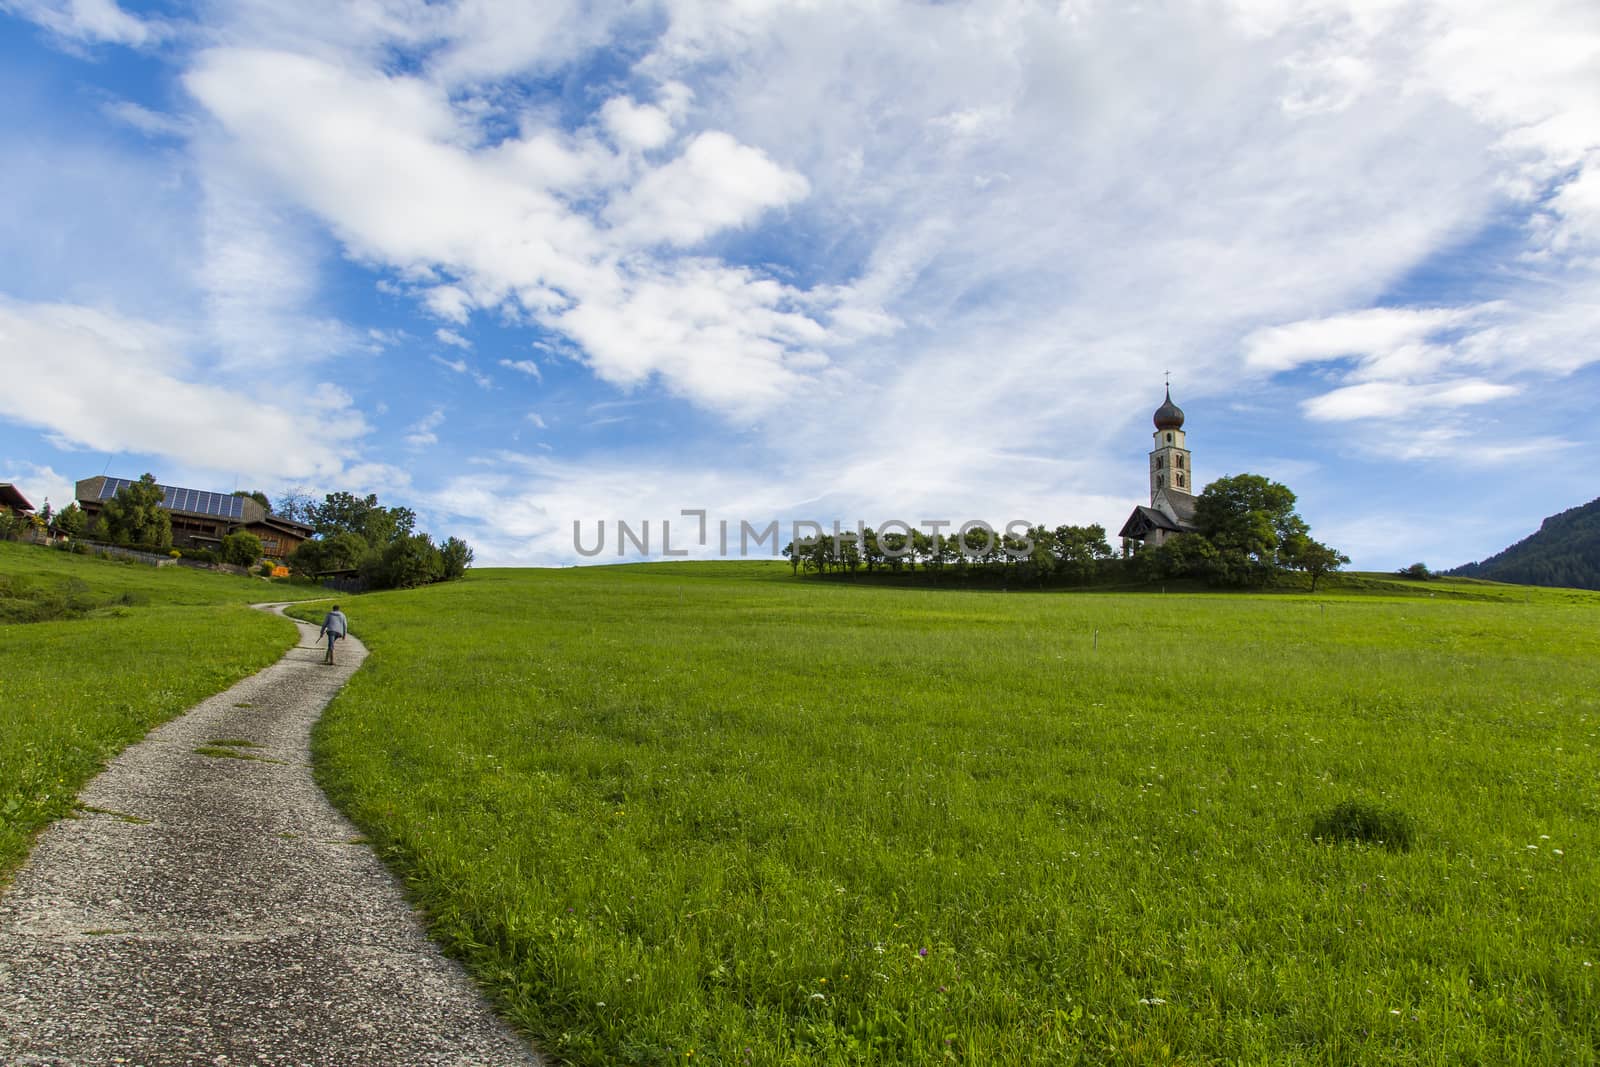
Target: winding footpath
(213, 907)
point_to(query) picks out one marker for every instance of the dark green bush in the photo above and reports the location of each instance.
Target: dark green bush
(1360, 820)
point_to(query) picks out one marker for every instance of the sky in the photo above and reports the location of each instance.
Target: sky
(524, 265)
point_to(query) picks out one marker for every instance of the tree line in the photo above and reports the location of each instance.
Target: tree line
(380, 545)
(1246, 533)
(1069, 554)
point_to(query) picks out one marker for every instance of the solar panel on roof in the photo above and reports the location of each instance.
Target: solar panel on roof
(176, 498)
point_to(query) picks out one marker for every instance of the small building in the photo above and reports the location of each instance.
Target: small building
(11, 497)
(201, 519)
(1171, 509)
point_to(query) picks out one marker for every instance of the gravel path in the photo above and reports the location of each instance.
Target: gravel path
(213, 909)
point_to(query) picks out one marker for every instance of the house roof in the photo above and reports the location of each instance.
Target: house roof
(11, 497)
(293, 526)
(181, 501)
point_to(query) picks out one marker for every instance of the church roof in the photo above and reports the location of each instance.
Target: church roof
(1144, 519)
(1182, 505)
(1169, 416)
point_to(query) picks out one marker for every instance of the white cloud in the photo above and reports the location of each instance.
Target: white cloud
(1360, 334)
(448, 302)
(89, 21)
(390, 165)
(524, 366)
(450, 337)
(1371, 400)
(637, 126)
(153, 123)
(421, 432)
(461, 366)
(96, 380)
(536, 419)
(717, 184)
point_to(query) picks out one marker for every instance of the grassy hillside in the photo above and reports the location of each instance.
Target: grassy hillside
(124, 647)
(713, 813)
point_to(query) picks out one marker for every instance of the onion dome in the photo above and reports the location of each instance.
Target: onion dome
(1169, 416)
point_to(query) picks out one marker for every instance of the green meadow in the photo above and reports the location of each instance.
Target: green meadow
(94, 653)
(713, 813)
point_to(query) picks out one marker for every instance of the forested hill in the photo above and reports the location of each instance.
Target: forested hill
(1565, 551)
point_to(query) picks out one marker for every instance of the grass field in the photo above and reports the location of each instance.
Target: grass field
(133, 646)
(712, 813)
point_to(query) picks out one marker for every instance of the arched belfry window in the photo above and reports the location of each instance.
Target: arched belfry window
(1169, 438)
(1180, 481)
(1180, 463)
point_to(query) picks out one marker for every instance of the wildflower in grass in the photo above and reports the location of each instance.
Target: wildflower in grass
(922, 953)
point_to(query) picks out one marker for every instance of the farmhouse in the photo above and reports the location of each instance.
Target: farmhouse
(11, 497)
(1171, 509)
(201, 519)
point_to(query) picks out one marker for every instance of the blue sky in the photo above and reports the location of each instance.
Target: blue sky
(520, 265)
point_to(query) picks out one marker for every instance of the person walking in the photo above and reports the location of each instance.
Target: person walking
(335, 626)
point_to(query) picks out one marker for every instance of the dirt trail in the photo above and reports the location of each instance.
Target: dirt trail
(213, 907)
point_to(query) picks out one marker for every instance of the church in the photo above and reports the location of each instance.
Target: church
(1171, 509)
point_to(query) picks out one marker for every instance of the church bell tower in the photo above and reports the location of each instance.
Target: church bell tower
(1171, 465)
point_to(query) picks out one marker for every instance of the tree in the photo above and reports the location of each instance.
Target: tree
(296, 505)
(1315, 558)
(406, 563)
(347, 513)
(241, 548)
(136, 516)
(71, 520)
(341, 552)
(1247, 518)
(455, 555)
(1417, 571)
(1079, 550)
(255, 494)
(1179, 556)
(358, 533)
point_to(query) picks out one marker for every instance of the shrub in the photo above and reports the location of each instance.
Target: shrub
(1417, 571)
(241, 548)
(1360, 820)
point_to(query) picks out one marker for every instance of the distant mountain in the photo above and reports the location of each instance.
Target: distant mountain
(1565, 551)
